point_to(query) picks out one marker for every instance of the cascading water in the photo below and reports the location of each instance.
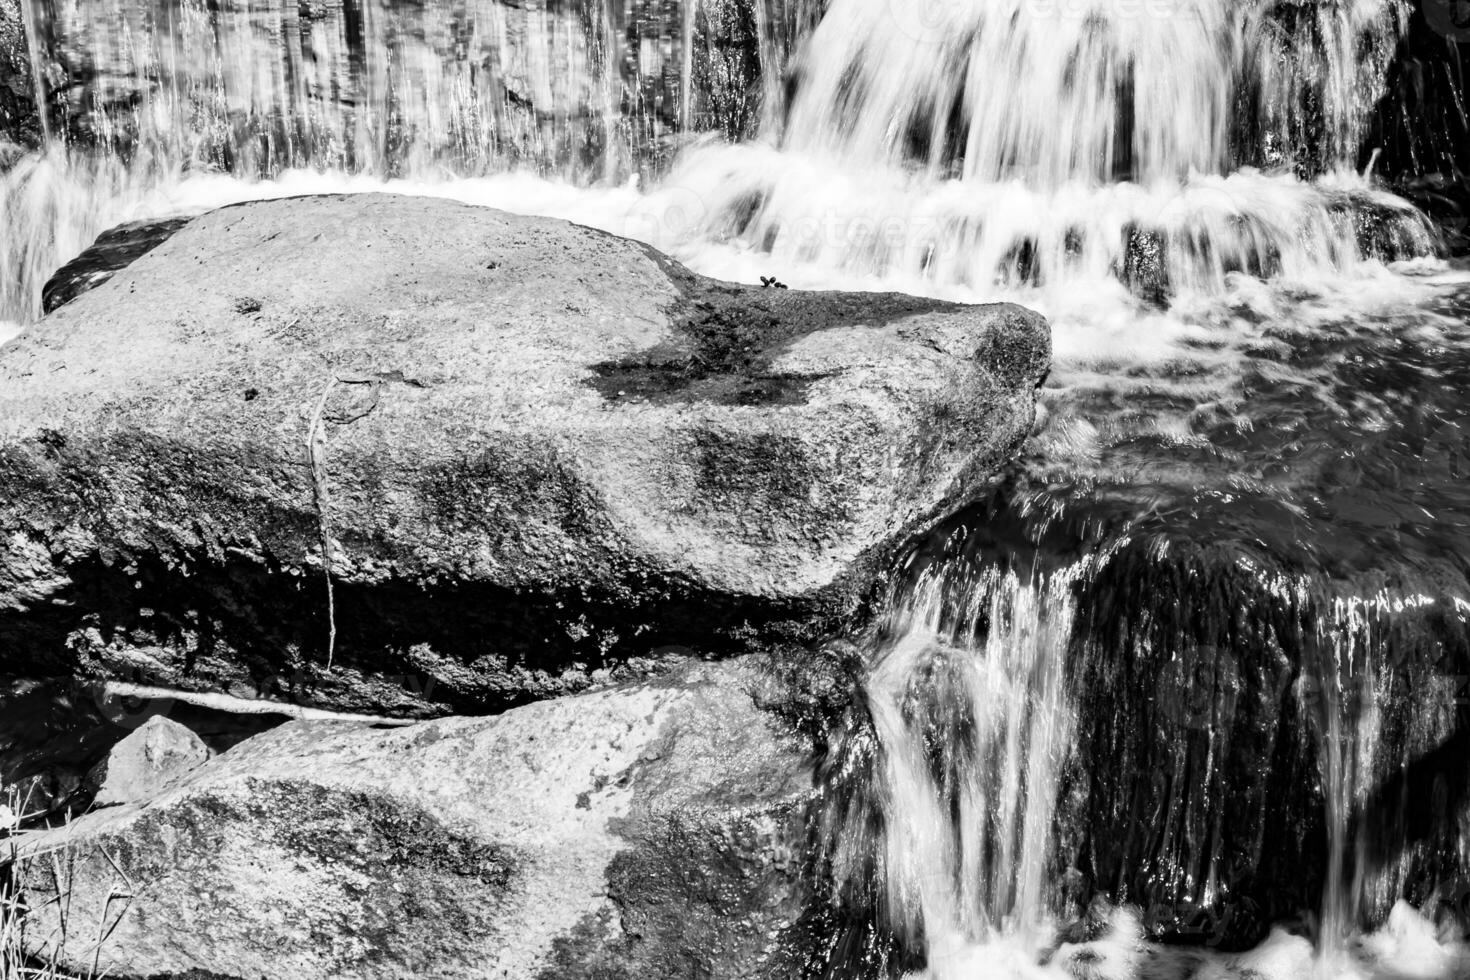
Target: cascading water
(1095, 90)
(144, 101)
(973, 725)
(1134, 763)
(1184, 697)
(1102, 143)
(962, 146)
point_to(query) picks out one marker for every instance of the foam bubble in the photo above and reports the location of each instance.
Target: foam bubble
(1407, 947)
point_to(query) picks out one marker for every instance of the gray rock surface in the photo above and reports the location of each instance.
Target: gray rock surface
(55, 735)
(645, 831)
(544, 453)
(147, 761)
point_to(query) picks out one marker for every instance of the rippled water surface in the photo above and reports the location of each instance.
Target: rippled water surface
(1186, 694)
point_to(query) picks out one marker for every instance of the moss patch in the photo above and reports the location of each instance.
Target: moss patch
(729, 336)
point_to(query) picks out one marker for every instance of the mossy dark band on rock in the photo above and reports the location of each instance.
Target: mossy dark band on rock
(510, 516)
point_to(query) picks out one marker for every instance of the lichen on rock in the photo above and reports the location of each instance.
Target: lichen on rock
(654, 829)
(542, 457)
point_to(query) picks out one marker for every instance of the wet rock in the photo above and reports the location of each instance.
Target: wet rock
(646, 831)
(1199, 685)
(1384, 228)
(1447, 203)
(1393, 234)
(539, 455)
(114, 249)
(1021, 265)
(1145, 266)
(738, 58)
(1419, 127)
(19, 123)
(147, 761)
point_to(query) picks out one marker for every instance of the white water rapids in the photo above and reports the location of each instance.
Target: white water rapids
(1164, 179)
(976, 728)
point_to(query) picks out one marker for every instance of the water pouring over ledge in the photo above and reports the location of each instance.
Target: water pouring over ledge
(988, 146)
(1187, 678)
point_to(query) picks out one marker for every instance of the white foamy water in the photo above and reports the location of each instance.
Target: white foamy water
(1407, 947)
(975, 724)
(1051, 91)
(974, 720)
(1172, 182)
(61, 202)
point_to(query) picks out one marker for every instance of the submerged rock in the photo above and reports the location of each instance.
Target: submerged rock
(647, 831)
(534, 452)
(1145, 265)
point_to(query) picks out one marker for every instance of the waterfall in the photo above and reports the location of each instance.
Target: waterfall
(1141, 150)
(1194, 674)
(1164, 721)
(1054, 91)
(1163, 144)
(973, 723)
(139, 96)
(255, 87)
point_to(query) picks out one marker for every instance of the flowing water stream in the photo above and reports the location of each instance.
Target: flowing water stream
(1186, 696)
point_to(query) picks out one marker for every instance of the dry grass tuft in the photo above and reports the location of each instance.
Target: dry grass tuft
(15, 963)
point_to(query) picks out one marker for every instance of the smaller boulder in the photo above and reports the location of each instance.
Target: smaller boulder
(147, 761)
(653, 830)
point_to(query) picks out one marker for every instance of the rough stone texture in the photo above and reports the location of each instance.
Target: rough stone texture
(147, 761)
(53, 735)
(647, 831)
(19, 123)
(547, 452)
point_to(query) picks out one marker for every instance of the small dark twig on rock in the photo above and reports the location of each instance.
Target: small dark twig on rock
(316, 450)
(316, 454)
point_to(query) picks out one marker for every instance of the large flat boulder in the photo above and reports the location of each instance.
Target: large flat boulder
(646, 831)
(532, 451)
